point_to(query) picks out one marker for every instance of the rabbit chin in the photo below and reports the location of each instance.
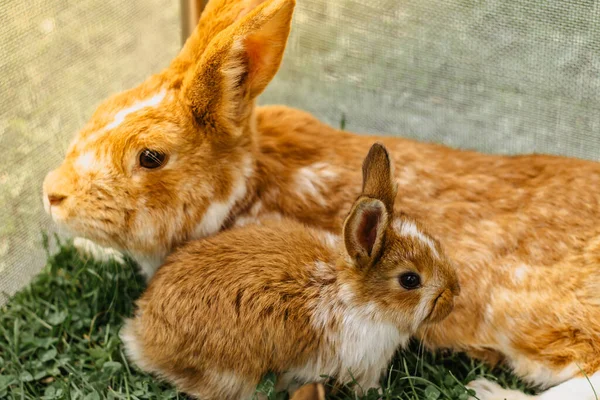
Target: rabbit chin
(92, 230)
(91, 233)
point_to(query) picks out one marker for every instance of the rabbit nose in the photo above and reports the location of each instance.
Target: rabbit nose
(55, 199)
(57, 186)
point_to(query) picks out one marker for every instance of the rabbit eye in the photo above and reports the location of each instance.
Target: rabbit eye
(410, 280)
(152, 159)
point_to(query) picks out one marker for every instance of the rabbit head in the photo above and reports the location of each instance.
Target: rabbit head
(171, 159)
(390, 262)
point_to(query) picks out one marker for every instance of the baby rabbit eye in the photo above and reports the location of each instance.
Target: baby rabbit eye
(152, 159)
(410, 280)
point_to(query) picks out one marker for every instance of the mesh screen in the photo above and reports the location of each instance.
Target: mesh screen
(58, 60)
(497, 76)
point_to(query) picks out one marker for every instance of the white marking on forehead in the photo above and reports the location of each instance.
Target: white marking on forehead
(137, 106)
(118, 119)
(408, 228)
(87, 161)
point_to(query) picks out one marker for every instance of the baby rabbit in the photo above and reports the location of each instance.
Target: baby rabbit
(302, 303)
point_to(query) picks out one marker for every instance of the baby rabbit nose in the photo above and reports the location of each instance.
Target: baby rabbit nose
(55, 199)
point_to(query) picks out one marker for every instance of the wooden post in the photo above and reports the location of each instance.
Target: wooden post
(190, 14)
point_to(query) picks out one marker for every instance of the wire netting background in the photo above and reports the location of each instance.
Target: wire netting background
(58, 60)
(497, 76)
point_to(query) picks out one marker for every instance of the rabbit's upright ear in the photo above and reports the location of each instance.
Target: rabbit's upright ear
(378, 176)
(237, 65)
(216, 16)
(366, 225)
(364, 231)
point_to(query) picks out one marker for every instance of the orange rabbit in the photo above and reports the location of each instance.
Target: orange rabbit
(300, 302)
(187, 154)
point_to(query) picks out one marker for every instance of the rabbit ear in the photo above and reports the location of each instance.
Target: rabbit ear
(364, 230)
(216, 16)
(378, 176)
(238, 64)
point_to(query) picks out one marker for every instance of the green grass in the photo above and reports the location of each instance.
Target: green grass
(59, 340)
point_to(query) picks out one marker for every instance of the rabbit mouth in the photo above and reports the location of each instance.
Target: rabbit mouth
(93, 230)
(441, 307)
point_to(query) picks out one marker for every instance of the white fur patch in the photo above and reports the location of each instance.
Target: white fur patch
(133, 349)
(311, 181)
(538, 373)
(580, 388)
(148, 263)
(330, 240)
(408, 228)
(250, 220)
(364, 345)
(489, 313)
(137, 106)
(87, 162)
(87, 248)
(256, 215)
(406, 177)
(322, 267)
(422, 310)
(346, 294)
(520, 273)
(230, 384)
(488, 390)
(217, 212)
(367, 346)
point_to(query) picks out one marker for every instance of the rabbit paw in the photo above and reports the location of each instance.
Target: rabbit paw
(88, 249)
(488, 390)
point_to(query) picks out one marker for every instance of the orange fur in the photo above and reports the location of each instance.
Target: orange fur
(523, 230)
(313, 391)
(224, 311)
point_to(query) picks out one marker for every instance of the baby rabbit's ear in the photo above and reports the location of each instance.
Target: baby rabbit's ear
(366, 225)
(364, 230)
(378, 177)
(237, 65)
